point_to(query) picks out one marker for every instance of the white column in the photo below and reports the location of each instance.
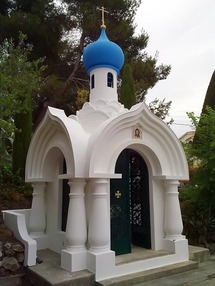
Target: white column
(76, 228)
(99, 234)
(173, 225)
(37, 221)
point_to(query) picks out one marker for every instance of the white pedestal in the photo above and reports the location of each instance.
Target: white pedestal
(179, 247)
(102, 264)
(73, 260)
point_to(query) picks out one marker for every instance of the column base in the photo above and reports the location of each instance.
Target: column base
(73, 260)
(101, 264)
(178, 246)
(175, 237)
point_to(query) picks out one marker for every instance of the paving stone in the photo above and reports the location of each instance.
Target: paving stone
(202, 276)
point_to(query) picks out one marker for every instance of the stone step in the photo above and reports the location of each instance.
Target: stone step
(49, 273)
(149, 275)
(57, 278)
(199, 254)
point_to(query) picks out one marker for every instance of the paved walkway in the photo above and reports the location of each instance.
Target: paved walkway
(203, 276)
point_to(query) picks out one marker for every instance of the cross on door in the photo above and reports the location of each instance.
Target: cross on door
(118, 194)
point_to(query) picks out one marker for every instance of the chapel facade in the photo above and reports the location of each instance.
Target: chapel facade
(105, 180)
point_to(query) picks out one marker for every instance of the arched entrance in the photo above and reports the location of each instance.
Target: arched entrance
(129, 204)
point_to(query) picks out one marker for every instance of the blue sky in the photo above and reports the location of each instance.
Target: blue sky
(182, 31)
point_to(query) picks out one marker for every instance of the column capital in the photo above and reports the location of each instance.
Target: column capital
(78, 181)
(77, 186)
(99, 180)
(171, 182)
(171, 186)
(39, 185)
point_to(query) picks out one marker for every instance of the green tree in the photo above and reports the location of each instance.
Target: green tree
(41, 20)
(6, 143)
(60, 31)
(161, 109)
(20, 79)
(146, 73)
(127, 90)
(198, 198)
(203, 151)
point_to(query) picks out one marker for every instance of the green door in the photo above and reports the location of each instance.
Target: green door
(120, 207)
(129, 197)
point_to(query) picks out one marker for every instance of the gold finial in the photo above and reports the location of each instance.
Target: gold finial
(103, 16)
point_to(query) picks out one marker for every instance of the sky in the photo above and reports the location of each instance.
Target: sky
(183, 33)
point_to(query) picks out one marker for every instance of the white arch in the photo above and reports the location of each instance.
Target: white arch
(56, 132)
(159, 145)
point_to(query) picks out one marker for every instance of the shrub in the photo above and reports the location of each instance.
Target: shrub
(11, 184)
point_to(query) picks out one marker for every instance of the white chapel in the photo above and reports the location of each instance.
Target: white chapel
(105, 181)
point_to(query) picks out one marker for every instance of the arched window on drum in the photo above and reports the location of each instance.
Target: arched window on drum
(92, 81)
(110, 79)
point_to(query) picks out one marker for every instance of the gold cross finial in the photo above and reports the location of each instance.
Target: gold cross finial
(103, 16)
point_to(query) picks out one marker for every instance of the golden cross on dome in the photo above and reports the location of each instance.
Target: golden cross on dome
(102, 9)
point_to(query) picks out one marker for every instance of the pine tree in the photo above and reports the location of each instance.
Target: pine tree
(208, 102)
(22, 139)
(210, 95)
(60, 30)
(127, 92)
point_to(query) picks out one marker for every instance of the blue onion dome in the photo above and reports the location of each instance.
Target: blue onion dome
(103, 53)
